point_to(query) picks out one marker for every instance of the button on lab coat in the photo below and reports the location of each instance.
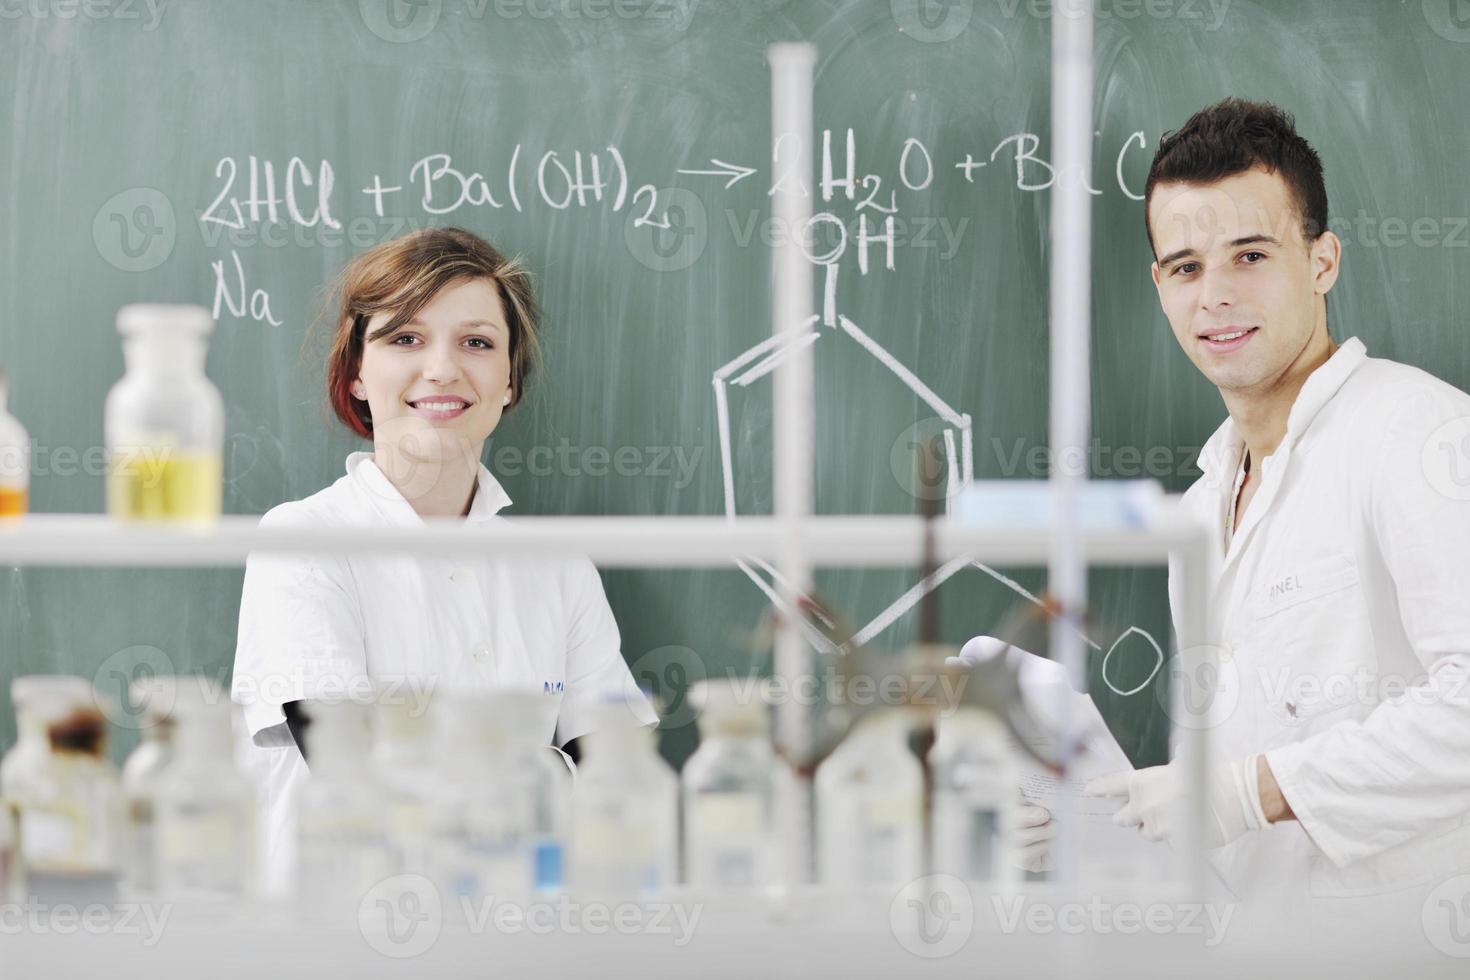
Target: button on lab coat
(321, 626)
(1341, 606)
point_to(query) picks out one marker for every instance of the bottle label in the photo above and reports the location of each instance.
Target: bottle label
(548, 865)
(728, 835)
(46, 836)
(729, 815)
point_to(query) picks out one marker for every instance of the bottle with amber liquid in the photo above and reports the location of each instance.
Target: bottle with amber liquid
(164, 419)
(15, 461)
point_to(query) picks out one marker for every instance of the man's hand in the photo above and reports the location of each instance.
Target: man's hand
(1273, 801)
(1156, 799)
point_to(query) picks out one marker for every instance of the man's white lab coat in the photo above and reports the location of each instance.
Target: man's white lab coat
(1342, 608)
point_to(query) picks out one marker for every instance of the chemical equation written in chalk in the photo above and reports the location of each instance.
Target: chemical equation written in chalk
(254, 193)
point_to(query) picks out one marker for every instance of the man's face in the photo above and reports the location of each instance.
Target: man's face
(1232, 259)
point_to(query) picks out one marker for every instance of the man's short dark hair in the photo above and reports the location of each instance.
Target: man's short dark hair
(1231, 137)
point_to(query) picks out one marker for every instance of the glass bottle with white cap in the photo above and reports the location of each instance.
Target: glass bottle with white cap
(870, 805)
(204, 805)
(500, 813)
(153, 699)
(551, 809)
(626, 818)
(975, 780)
(15, 461)
(342, 822)
(727, 787)
(63, 792)
(164, 422)
(403, 757)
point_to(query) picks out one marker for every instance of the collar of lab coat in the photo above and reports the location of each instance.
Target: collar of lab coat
(1221, 454)
(383, 497)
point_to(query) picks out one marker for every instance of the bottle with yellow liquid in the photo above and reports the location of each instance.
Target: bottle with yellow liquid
(165, 419)
(15, 462)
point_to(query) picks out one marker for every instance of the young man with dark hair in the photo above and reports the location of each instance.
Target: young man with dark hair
(1340, 582)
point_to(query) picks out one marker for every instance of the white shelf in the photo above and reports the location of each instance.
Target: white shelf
(611, 542)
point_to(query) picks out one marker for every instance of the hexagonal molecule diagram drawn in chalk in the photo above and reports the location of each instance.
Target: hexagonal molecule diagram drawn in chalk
(761, 359)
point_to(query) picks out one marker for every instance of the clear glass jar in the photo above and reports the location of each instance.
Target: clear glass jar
(204, 806)
(976, 796)
(164, 423)
(870, 806)
(15, 462)
(63, 793)
(551, 790)
(625, 819)
(140, 774)
(501, 808)
(342, 825)
(728, 791)
(403, 757)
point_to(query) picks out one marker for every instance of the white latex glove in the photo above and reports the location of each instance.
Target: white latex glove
(1035, 831)
(1156, 797)
(979, 648)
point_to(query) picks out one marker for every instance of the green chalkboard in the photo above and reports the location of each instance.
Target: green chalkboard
(132, 129)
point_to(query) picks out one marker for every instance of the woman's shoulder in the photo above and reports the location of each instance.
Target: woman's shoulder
(563, 581)
(331, 505)
(574, 579)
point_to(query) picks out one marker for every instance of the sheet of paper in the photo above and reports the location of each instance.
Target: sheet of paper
(1107, 849)
(1053, 702)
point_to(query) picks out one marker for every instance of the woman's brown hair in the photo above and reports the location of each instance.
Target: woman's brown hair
(399, 278)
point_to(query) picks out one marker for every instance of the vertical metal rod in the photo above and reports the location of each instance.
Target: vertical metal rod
(793, 427)
(1196, 658)
(1070, 393)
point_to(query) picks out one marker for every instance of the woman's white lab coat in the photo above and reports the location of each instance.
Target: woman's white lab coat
(320, 626)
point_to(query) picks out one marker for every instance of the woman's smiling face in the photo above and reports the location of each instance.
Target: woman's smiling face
(439, 383)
